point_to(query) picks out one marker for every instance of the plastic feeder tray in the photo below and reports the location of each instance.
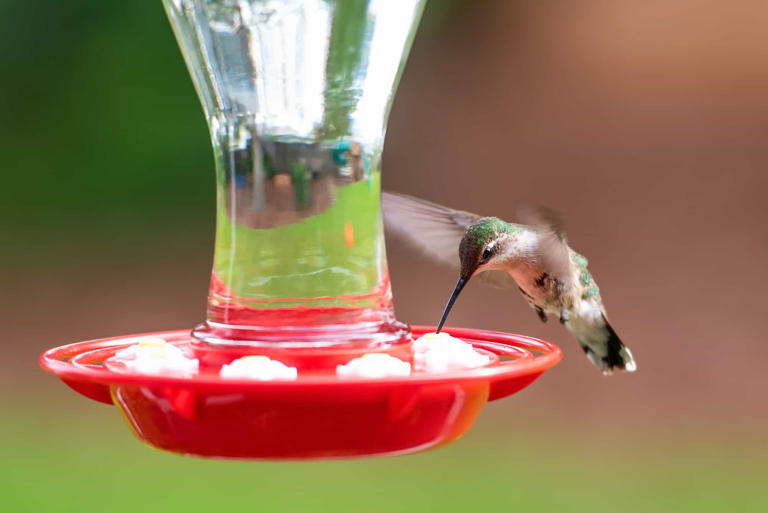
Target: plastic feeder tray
(316, 416)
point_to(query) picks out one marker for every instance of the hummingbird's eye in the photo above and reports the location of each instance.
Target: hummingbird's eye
(487, 253)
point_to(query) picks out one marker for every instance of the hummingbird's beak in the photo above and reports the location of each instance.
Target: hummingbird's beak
(459, 285)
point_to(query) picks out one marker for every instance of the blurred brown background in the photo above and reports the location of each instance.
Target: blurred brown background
(644, 123)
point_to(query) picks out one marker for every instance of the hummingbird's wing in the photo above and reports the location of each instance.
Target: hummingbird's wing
(542, 218)
(434, 229)
(553, 252)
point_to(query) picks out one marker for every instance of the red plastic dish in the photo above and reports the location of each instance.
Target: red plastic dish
(316, 416)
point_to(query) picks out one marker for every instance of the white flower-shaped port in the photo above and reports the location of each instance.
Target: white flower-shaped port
(372, 366)
(440, 352)
(257, 367)
(156, 356)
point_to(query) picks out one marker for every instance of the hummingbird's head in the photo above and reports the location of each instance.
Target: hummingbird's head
(481, 246)
(480, 249)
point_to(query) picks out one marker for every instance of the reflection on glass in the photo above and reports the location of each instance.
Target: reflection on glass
(296, 94)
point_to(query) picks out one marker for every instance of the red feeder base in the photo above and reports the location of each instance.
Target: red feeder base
(316, 416)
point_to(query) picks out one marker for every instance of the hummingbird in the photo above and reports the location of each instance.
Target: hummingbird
(534, 257)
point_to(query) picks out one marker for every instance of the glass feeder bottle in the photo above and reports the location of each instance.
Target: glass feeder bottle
(296, 94)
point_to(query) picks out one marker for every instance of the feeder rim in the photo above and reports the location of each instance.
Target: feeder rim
(58, 361)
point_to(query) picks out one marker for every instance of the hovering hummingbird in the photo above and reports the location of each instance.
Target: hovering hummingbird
(534, 256)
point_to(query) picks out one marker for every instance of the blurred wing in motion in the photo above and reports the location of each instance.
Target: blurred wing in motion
(435, 230)
(553, 252)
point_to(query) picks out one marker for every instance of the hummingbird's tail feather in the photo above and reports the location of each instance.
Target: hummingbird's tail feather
(601, 345)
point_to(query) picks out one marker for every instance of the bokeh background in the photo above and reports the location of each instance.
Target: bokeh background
(644, 123)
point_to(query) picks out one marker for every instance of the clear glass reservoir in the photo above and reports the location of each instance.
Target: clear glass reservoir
(296, 94)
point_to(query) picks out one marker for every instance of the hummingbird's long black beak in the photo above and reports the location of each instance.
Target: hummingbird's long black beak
(459, 285)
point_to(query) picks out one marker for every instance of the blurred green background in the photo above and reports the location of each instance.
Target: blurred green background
(644, 123)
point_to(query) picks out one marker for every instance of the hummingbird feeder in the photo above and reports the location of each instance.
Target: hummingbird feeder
(300, 356)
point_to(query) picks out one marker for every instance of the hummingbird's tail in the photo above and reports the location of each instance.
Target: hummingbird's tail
(601, 344)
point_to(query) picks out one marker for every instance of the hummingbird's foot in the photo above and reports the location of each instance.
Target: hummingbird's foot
(563, 317)
(541, 313)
